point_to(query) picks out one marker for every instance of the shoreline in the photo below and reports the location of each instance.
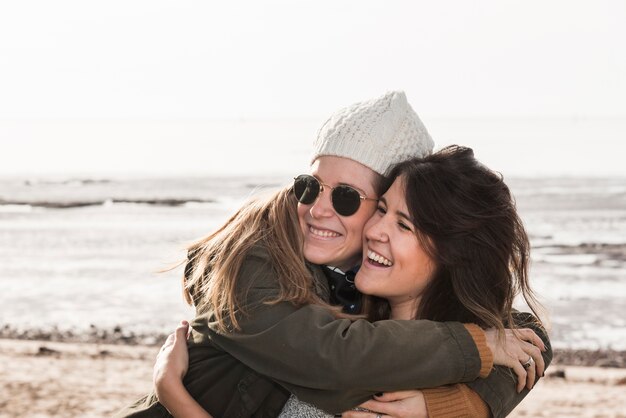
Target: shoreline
(76, 379)
(117, 336)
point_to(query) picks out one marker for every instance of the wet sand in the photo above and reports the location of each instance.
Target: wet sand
(51, 379)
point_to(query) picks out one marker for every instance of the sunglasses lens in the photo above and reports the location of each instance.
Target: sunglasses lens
(346, 200)
(306, 188)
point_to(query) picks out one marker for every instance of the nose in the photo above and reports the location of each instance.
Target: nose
(322, 207)
(376, 229)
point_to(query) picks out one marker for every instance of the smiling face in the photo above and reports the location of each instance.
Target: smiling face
(395, 265)
(329, 238)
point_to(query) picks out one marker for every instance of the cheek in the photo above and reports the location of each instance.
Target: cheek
(361, 220)
(302, 210)
(357, 232)
(425, 270)
(414, 261)
(354, 229)
(369, 224)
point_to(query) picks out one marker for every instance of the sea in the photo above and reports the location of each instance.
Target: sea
(85, 254)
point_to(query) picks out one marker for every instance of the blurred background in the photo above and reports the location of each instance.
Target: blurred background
(130, 128)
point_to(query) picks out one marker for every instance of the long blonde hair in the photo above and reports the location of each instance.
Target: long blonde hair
(211, 279)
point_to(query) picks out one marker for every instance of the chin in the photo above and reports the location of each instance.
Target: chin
(362, 286)
(315, 257)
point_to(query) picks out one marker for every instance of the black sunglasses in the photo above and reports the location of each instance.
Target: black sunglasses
(346, 200)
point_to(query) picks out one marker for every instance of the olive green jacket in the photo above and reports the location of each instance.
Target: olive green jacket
(336, 364)
(333, 364)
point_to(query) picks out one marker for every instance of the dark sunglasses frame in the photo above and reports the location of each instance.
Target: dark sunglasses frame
(346, 199)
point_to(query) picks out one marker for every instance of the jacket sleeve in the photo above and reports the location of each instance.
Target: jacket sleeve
(498, 389)
(455, 401)
(337, 364)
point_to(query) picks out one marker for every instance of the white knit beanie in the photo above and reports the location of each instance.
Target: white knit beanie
(377, 133)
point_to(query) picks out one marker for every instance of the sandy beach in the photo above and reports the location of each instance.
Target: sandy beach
(50, 379)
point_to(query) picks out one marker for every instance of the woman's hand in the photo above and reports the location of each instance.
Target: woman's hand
(520, 349)
(169, 369)
(172, 360)
(402, 404)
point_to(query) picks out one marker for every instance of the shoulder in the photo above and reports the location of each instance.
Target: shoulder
(256, 270)
(259, 256)
(258, 252)
(527, 320)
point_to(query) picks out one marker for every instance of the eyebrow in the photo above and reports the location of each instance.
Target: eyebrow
(344, 184)
(399, 213)
(405, 216)
(354, 187)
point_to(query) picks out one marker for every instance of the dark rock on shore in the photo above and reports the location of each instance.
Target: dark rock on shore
(95, 335)
(118, 335)
(590, 358)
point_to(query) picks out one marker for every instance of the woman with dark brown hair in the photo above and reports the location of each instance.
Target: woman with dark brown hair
(465, 219)
(446, 244)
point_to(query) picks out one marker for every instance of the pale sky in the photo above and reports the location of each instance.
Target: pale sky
(152, 86)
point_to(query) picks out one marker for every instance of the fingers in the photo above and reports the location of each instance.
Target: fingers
(181, 331)
(518, 347)
(360, 414)
(530, 376)
(168, 341)
(384, 408)
(395, 396)
(164, 350)
(527, 353)
(535, 353)
(521, 375)
(188, 328)
(531, 336)
(519, 357)
(531, 346)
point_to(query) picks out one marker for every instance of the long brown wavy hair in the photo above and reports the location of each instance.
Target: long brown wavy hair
(211, 279)
(467, 222)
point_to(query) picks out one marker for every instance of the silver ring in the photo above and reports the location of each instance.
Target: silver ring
(379, 416)
(529, 362)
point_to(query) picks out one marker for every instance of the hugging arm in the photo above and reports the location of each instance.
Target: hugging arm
(494, 396)
(172, 364)
(337, 364)
(169, 369)
(442, 402)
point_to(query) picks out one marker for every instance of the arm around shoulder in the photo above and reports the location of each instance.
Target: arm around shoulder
(311, 352)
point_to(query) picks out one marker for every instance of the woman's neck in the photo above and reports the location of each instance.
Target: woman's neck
(404, 309)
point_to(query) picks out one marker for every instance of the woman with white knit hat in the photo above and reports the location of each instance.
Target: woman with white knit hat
(260, 307)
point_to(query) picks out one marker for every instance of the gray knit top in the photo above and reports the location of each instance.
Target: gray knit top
(297, 408)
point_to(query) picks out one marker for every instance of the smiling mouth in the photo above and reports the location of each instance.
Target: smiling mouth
(323, 233)
(378, 260)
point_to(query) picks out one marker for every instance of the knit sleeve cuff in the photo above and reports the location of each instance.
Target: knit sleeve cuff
(454, 401)
(486, 356)
(476, 405)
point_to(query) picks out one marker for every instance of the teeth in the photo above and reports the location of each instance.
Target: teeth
(378, 258)
(323, 233)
